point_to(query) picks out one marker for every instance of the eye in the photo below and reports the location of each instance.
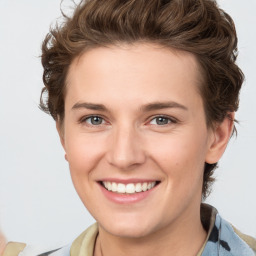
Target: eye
(94, 120)
(161, 120)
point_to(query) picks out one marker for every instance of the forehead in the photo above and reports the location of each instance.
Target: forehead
(145, 71)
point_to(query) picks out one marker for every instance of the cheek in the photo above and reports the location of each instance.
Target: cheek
(181, 157)
(83, 153)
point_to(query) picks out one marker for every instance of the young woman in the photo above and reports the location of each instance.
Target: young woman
(144, 94)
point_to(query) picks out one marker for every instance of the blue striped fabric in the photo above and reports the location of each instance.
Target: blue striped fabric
(223, 241)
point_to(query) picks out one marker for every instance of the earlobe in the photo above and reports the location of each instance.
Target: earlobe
(220, 138)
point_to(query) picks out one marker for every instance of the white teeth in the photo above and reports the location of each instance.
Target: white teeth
(109, 186)
(130, 188)
(138, 187)
(114, 187)
(120, 188)
(145, 186)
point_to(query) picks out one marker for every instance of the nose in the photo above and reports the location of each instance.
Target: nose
(125, 149)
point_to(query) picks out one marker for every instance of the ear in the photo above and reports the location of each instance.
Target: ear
(60, 129)
(220, 138)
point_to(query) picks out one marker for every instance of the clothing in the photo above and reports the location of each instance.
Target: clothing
(222, 240)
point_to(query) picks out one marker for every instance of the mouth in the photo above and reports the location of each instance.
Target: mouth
(130, 188)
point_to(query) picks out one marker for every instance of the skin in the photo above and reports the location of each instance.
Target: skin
(129, 142)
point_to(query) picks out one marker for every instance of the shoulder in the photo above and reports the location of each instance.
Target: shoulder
(13, 249)
(250, 241)
(20, 249)
(84, 242)
(237, 241)
(226, 240)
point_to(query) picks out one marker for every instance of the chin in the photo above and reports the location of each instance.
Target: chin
(131, 232)
(129, 228)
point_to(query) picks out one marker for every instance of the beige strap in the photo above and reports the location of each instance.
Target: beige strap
(13, 249)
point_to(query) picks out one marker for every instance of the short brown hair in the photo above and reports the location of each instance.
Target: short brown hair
(196, 26)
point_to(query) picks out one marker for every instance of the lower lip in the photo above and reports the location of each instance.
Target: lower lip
(125, 198)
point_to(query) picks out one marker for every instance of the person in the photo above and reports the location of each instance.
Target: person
(144, 94)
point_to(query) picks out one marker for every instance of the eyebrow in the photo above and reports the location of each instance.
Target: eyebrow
(145, 108)
(91, 106)
(162, 105)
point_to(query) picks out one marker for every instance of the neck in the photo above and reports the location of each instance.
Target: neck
(185, 237)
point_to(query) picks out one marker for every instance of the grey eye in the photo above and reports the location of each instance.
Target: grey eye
(94, 120)
(160, 120)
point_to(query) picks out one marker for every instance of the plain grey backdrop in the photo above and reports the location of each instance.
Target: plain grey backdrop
(38, 203)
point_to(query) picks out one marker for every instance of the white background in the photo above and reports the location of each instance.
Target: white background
(38, 203)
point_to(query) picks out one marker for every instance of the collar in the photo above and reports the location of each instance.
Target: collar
(222, 239)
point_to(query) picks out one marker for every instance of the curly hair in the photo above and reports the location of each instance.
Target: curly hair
(196, 26)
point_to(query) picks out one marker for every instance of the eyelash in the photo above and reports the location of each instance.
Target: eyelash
(170, 120)
(85, 119)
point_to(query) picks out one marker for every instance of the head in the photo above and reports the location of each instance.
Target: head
(196, 27)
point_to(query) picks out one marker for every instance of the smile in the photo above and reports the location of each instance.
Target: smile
(130, 188)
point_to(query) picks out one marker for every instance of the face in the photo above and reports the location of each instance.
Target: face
(135, 137)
